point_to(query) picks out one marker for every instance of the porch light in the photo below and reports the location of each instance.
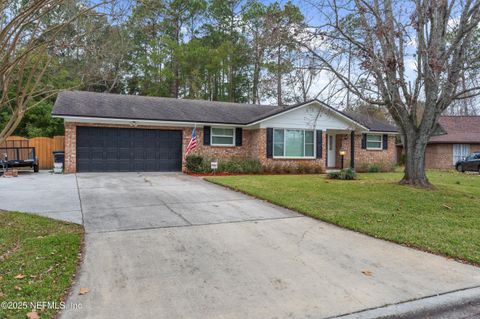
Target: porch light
(342, 153)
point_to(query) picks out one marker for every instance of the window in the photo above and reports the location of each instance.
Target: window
(460, 151)
(223, 136)
(374, 142)
(293, 143)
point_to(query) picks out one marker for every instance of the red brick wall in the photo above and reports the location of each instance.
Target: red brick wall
(218, 152)
(258, 150)
(387, 159)
(440, 156)
(213, 152)
(253, 146)
(70, 148)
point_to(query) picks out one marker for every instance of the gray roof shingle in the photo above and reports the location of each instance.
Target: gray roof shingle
(458, 129)
(134, 107)
(372, 123)
(105, 105)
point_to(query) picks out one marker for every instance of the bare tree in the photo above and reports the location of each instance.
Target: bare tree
(30, 31)
(407, 55)
(300, 83)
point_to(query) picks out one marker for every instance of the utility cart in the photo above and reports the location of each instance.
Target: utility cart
(16, 154)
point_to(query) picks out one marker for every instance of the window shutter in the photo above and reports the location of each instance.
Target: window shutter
(269, 142)
(364, 141)
(352, 149)
(238, 136)
(206, 135)
(319, 143)
(385, 141)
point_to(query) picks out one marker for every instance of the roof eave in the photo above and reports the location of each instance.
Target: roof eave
(132, 120)
(341, 114)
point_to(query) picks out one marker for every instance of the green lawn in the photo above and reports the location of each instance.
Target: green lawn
(44, 252)
(444, 221)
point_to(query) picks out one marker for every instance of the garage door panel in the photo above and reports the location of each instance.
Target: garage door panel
(123, 154)
(123, 150)
(122, 166)
(111, 154)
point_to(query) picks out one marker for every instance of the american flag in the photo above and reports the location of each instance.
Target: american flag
(192, 144)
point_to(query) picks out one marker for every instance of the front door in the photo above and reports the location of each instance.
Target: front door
(331, 151)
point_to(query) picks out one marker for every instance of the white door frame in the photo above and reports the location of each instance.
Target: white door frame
(331, 150)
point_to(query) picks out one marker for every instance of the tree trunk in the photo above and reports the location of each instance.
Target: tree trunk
(256, 76)
(279, 77)
(231, 87)
(174, 89)
(414, 173)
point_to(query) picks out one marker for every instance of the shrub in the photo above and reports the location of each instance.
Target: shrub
(206, 166)
(237, 165)
(276, 168)
(375, 168)
(344, 174)
(303, 168)
(318, 169)
(252, 166)
(291, 168)
(194, 163)
(309, 168)
(231, 166)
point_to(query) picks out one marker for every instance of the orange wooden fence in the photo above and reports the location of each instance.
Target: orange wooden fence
(44, 146)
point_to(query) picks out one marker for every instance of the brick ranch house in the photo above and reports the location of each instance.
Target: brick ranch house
(111, 132)
(460, 136)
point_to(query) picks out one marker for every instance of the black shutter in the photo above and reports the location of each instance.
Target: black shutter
(385, 141)
(269, 142)
(238, 136)
(364, 141)
(319, 144)
(206, 135)
(352, 149)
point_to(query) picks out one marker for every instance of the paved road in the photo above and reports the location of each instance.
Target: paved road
(173, 246)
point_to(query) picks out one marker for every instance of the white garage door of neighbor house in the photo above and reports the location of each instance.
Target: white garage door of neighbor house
(460, 151)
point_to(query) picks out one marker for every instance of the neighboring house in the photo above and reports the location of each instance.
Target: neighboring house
(461, 137)
(110, 132)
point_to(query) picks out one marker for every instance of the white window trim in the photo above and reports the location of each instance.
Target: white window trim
(374, 148)
(285, 144)
(233, 140)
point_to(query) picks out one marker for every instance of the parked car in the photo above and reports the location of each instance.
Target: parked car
(470, 163)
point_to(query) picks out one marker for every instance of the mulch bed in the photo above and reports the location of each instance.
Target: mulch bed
(242, 174)
(216, 174)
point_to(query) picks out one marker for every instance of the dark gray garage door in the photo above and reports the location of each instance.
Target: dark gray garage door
(101, 149)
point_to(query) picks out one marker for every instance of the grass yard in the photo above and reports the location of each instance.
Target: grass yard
(444, 221)
(38, 258)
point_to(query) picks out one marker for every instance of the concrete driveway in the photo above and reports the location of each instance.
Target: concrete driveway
(43, 193)
(174, 246)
